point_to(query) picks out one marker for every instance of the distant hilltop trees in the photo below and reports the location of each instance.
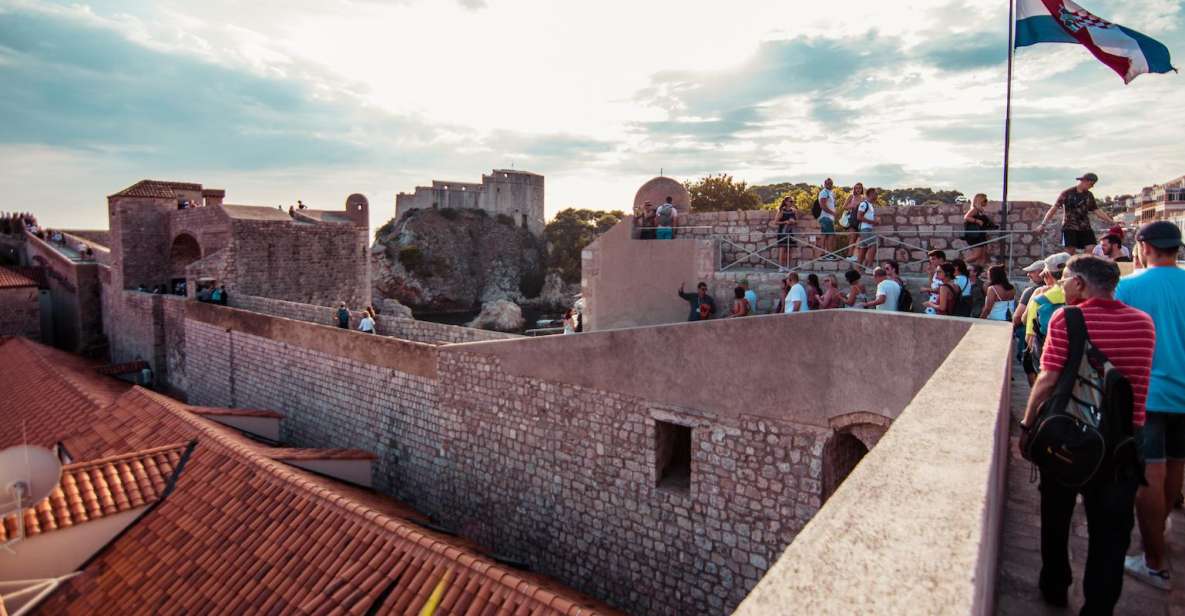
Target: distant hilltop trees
(721, 192)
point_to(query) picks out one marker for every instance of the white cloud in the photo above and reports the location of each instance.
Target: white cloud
(600, 96)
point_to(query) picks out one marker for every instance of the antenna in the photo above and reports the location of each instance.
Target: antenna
(27, 476)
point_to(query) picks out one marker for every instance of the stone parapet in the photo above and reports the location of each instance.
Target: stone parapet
(915, 528)
(398, 327)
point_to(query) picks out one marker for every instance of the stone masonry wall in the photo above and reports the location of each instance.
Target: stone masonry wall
(933, 227)
(564, 477)
(406, 329)
(74, 290)
(328, 400)
(310, 263)
(559, 476)
(20, 312)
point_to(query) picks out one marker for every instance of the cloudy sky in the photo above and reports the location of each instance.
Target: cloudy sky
(276, 100)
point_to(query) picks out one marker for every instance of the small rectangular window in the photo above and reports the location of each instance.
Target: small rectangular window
(672, 455)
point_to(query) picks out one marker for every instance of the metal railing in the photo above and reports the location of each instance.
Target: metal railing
(910, 241)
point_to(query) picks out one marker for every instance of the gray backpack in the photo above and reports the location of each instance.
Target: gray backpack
(666, 215)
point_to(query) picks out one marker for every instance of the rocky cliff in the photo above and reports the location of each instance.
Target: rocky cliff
(455, 260)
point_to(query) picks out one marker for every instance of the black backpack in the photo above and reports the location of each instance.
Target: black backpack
(1087, 423)
(905, 300)
(816, 209)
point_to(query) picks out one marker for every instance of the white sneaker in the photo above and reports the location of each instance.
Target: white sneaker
(1137, 567)
(851, 258)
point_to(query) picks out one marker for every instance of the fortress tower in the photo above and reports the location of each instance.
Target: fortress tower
(517, 194)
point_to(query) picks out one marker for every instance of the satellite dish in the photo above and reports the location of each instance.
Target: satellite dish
(27, 476)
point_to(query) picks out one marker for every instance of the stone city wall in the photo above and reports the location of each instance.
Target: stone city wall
(75, 290)
(407, 329)
(20, 312)
(543, 452)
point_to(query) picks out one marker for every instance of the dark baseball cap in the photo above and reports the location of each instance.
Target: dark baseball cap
(1161, 234)
(1089, 177)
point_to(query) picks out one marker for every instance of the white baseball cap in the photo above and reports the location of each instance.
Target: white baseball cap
(1057, 262)
(1035, 266)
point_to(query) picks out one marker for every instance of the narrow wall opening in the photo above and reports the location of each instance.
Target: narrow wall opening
(672, 455)
(841, 454)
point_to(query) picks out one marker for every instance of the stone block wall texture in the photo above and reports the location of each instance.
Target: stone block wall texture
(922, 227)
(406, 329)
(309, 263)
(564, 477)
(557, 475)
(329, 399)
(75, 290)
(20, 312)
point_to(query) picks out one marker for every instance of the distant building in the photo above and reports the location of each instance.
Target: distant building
(1161, 201)
(517, 194)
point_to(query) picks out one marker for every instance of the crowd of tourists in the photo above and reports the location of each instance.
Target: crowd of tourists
(1113, 348)
(1105, 356)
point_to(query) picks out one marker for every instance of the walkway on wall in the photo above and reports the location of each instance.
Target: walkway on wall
(1020, 554)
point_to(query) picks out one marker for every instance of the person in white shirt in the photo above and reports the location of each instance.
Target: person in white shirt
(796, 299)
(827, 219)
(888, 292)
(1112, 249)
(866, 214)
(367, 324)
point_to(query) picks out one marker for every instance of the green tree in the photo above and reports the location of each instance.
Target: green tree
(720, 193)
(569, 232)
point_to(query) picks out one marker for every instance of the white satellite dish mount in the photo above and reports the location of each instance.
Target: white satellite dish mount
(28, 474)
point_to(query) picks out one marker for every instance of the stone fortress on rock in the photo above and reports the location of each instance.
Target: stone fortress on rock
(517, 194)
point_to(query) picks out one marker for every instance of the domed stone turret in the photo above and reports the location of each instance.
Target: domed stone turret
(658, 189)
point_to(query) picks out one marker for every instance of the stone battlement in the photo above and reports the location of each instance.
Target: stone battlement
(517, 194)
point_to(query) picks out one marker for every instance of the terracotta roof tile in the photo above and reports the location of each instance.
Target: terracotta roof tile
(47, 393)
(242, 532)
(10, 279)
(99, 488)
(156, 189)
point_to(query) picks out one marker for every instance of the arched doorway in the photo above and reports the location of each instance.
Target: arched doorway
(184, 250)
(841, 454)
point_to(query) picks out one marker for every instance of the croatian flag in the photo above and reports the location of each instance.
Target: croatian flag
(1127, 52)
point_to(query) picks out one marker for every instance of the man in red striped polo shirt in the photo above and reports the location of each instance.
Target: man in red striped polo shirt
(1127, 337)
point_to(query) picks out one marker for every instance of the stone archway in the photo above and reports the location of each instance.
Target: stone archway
(183, 251)
(841, 454)
(854, 435)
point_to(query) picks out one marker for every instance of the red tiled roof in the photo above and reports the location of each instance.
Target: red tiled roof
(156, 189)
(222, 411)
(46, 393)
(242, 532)
(10, 279)
(99, 488)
